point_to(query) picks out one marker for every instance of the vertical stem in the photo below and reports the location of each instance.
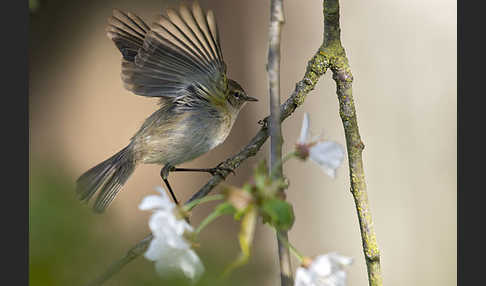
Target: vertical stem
(358, 185)
(273, 69)
(338, 63)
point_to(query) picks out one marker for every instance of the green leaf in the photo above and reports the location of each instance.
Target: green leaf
(278, 213)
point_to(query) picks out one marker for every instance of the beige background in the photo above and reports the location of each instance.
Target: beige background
(403, 58)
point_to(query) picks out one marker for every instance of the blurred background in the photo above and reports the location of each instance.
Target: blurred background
(403, 58)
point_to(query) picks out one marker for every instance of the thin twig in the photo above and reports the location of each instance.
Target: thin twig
(133, 253)
(273, 70)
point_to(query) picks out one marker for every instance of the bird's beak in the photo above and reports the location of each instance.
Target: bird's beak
(249, 98)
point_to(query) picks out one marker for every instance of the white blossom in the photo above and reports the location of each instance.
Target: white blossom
(327, 154)
(324, 270)
(169, 248)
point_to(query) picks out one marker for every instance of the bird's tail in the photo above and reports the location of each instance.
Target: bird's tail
(108, 176)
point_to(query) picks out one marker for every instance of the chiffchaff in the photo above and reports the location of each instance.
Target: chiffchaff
(179, 60)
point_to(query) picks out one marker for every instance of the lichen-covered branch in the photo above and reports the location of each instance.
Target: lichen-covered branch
(273, 71)
(338, 63)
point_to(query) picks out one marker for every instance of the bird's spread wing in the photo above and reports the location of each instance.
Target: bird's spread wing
(179, 58)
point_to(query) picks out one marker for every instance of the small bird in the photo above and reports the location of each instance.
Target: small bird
(179, 60)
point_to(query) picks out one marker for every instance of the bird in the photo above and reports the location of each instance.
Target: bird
(177, 59)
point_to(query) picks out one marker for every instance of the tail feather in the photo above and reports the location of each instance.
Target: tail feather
(108, 177)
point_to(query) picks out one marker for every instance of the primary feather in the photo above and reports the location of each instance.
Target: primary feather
(128, 32)
(179, 58)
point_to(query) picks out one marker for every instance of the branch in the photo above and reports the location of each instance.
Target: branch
(133, 253)
(273, 70)
(338, 63)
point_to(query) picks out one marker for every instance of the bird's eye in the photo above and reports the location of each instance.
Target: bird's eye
(237, 95)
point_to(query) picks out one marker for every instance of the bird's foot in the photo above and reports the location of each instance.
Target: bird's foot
(218, 170)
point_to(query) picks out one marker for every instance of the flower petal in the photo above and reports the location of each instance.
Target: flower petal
(169, 248)
(329, 155)
(156, 249)
(167, 265)
(321, 265)
(179, 261)
(339, 259)
(158, 223)
(151, 202)
(325, 270)
(157, 202)
(191, 265)
(302, 277)
(304, 131)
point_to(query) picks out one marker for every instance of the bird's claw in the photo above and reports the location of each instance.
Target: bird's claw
(263, 122)
(219, 169)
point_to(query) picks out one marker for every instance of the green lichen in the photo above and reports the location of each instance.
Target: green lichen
(337, 61)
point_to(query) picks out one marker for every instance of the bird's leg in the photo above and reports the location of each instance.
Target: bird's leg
(164, 173)
(213, 171)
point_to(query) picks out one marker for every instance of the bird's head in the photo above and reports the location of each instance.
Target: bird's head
(237, 96)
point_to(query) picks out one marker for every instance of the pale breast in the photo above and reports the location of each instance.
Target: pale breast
(224, 130)
(182, 138)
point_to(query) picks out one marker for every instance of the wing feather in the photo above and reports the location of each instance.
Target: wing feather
(178, 58)
(127, 31)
